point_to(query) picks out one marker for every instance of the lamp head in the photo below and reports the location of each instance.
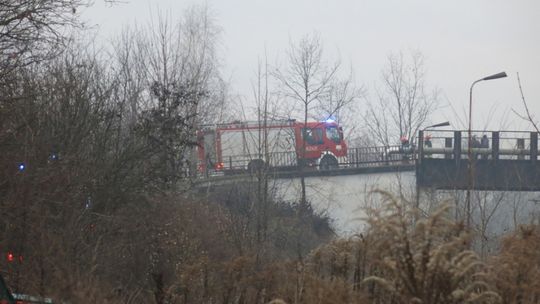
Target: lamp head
(442, 124)
(495, 76)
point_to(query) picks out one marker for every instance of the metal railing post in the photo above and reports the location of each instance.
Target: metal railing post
(495, 145)
(420, 155)
(457, 145)
(534, 147)
(357, 159)
(520, 143)
(448, 144)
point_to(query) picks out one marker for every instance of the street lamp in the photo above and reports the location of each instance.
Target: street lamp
(494, 76)
(442, 124)
(438, 125)
(421, 149)
(469, 141)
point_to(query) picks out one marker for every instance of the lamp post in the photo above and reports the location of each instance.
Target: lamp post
(442, 124)
(469, 142)
(438, 125)
(422, 132)
(421, 149)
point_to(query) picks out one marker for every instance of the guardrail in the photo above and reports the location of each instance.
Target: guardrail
(484, 145)
(361, 157)
(494, 160)
(380, 156)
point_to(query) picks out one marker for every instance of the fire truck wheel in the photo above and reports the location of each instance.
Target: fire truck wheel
(255, 165)
(328, 162)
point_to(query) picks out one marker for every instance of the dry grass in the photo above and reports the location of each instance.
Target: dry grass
(425, 260)
(403, 257)
(517, 267)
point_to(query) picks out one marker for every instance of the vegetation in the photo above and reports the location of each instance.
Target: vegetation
(97, 204)
(404, 87)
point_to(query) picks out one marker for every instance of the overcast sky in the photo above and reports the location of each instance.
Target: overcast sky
(462, 40)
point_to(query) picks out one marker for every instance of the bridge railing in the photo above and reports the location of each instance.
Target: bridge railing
(484, 145)
(243, 161)
(380, 156)
(359, 157)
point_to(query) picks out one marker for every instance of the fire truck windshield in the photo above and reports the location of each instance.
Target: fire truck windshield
(333, 134)
(312, 136)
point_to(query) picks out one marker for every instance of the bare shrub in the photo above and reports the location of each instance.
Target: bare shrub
(425, 260)
(516, 270)
(34, 30)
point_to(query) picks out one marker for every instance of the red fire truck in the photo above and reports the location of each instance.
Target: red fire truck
(241, 145)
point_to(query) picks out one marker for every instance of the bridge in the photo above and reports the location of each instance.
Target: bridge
(496, 160)
(364, 160)
(503, 160)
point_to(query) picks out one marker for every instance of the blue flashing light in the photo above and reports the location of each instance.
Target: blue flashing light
(54, 156)
(330, 119)
(22, 167)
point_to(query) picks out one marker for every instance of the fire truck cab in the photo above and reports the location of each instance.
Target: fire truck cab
(277, 144)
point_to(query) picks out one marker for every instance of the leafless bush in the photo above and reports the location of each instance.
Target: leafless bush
(34, 30)
(516, 269)
(426, 260)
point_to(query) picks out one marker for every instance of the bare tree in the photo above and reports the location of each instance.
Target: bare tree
(528, 116)
(341, 104)
(487, 205)
(262, 96)
(32, 29)
(313, 84)
(35, 30)
(404, 103)
(169, 71)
